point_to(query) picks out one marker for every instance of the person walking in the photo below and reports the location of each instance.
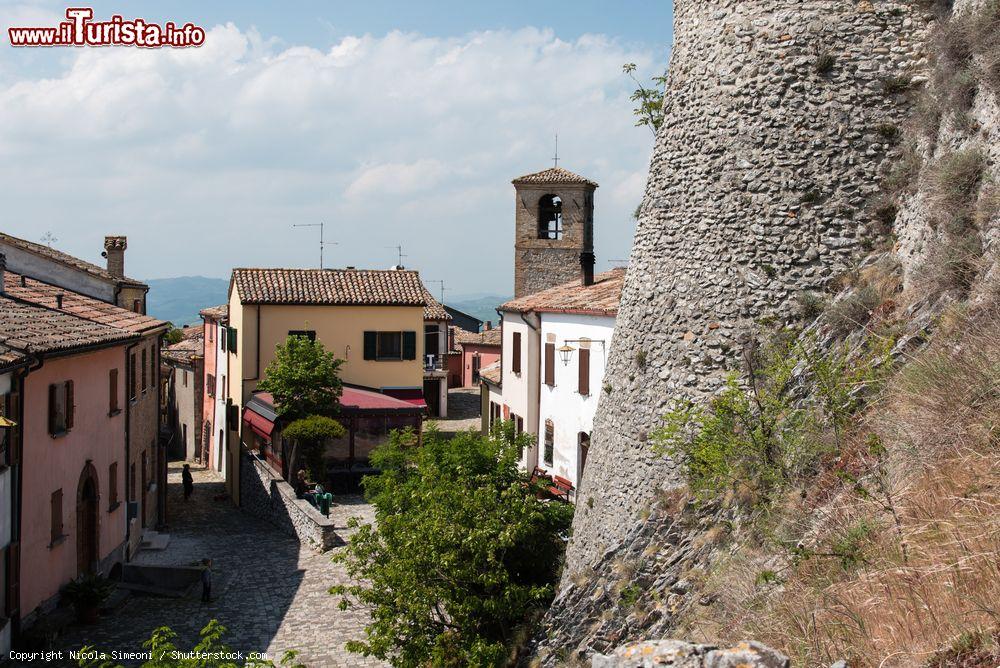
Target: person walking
(188, 481)
(206, 580)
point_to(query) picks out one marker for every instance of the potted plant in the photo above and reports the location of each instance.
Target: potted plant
(87, 593)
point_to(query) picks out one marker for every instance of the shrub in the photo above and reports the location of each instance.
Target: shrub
(853, 310)
(824, 63)
(952, 263)
(810, 304)
(902, 177)
(888, 132)
(893, 85)
(884, 211)
(309, 435)
(849, 547)
(462, 553)
(955, 179)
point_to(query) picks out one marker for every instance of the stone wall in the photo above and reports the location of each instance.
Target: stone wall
(267, 496)
(759, 189)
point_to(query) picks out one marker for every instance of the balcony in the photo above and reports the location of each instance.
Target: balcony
(435, 366)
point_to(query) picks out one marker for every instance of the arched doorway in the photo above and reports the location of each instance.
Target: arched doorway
(87, 521)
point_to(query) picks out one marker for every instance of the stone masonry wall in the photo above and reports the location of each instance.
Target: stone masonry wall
(266, 496)
(759, 189)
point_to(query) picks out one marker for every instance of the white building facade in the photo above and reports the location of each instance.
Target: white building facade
(576, 346)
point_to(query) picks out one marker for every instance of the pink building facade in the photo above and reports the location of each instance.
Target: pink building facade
(477, 350)
(76, 521)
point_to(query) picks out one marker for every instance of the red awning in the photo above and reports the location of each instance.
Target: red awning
(357, 398)
(412, 396)
(260, 424)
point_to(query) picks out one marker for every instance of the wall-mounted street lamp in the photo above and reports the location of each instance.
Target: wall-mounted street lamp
(566, 351)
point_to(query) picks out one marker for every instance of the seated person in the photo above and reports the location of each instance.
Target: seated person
(303, 489)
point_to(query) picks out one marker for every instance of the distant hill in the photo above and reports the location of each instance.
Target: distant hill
(481, 306)
(180, 299)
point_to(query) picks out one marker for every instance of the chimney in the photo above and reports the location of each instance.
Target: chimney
(114, 250)
(59, 298)
(587, 261)
(489, 325)
(3, 271)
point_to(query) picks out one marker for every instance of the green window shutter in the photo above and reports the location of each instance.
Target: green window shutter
(231, 335)
(409, 345)
(371, 345)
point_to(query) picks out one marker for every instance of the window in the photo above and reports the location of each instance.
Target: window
(60, 408)
(432, 339)
(210, 385)
(131, 377)
(515, 362)
(113, 407)
(390, 345)
(137, 305)
(56, 532)
(145, 379)
(131, 482)
(550, 364)
(232, 338)
(184, 377)
(550, 220)
(113, 487)
(223, 337)
(223, 388)
(584, 386)
(549, 442)
(184, 437)
(308, 333)
(518, 423)
(211, 333)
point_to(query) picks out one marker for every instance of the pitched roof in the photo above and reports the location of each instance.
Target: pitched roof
(220, 312)
(191, 345)
(601, 298)
(35, 329)
(67, 259)
(333, 287)
(10, 357)
(433, 310)
(491, 373)
(553, 175)
(487, 337)
(43, 294)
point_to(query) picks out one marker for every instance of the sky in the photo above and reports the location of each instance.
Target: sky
(393, 123)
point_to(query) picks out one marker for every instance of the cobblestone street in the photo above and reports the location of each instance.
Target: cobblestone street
(269, 593)
(463, 412)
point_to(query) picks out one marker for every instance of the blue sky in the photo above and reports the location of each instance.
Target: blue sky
(393, 122)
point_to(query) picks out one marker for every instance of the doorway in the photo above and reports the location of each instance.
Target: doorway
(432, 395)
(87, 522)
(584, 446)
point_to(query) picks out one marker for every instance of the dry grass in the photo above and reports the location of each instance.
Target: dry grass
(900, 568)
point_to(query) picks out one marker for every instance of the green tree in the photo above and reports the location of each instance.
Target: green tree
(303, 378)
(462, 553)
(173, 335)
(164, 653)
(309, 434)
(649, 101)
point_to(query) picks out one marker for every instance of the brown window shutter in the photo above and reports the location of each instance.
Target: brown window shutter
(515, 364)
(113, 390)
(584, 371)
(550, 364)
(52, 408)
(69, 405)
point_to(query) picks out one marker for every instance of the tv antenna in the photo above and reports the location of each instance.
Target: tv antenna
(399, 252)
(322, 240)
(48, 239)
(555, 158)
(442, 288)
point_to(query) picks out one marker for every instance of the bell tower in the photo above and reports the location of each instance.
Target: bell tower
(553, 230)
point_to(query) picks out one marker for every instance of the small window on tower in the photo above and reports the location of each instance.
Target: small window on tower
(550, 221)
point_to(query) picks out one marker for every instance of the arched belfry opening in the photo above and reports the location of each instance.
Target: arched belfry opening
(550, 217)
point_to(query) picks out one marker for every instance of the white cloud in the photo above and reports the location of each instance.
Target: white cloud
(394, 139)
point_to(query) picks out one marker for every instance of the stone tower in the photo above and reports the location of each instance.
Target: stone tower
(554, 229)
(761, 187)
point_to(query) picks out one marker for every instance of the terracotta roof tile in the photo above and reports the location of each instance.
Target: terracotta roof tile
(491, 372)
(488, 337)
(10, 357)
(34, 329)
(433, 310)
(67, 259)
(335, 287)
(188, 348)
(601, 298)
(553, 175)
(44, 294)
(220, 312)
